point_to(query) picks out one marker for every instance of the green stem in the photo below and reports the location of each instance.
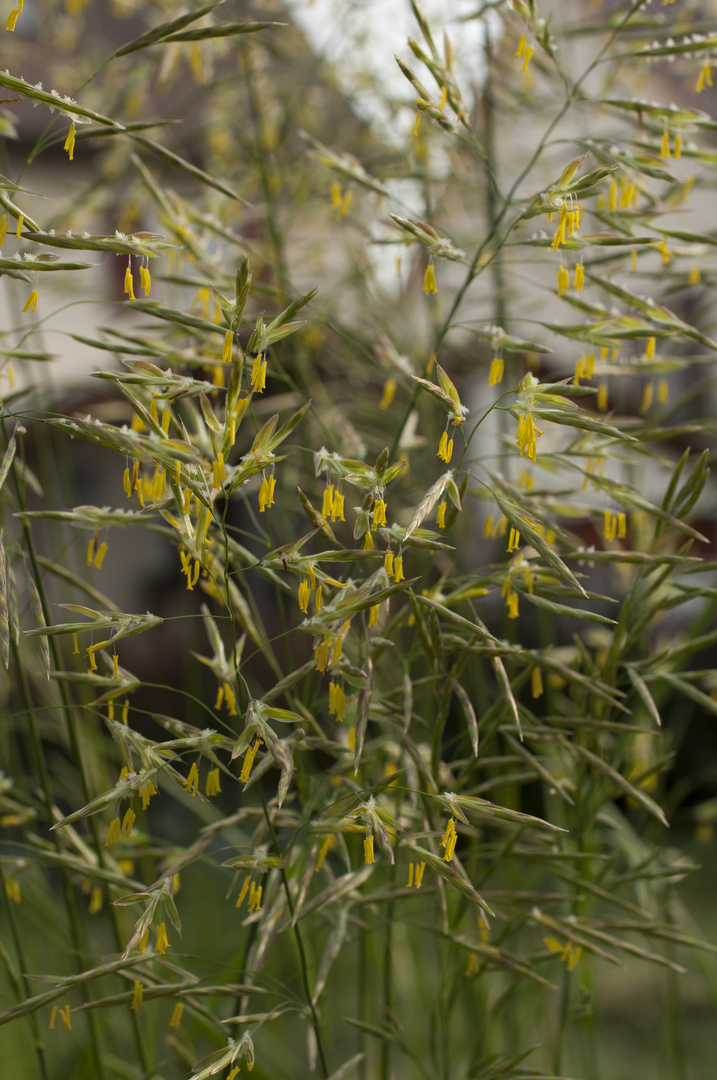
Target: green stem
(19, 984)
(43, 773)
(299, 943)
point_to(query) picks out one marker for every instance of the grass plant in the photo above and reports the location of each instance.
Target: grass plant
(384, 780)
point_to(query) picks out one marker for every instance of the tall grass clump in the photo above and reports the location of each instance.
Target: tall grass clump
(355, 603)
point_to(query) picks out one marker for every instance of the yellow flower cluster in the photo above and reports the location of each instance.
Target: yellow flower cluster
(665, 145)
(333, 504)
(192, 575)
(568, 222)
(415, 877)
(497, 370)
(328, 845)
(10, 25)
(393, 565)
(615, 526)
(511, 599)
(258, 374)
(192, 781)
(226, 694)
(448, 842)
(584, 368)
(568, 953)
(337, 701)
(705, 77)
(266, 492)
(340, 201)
(527, 435)
(536, 682)
(328, 651)
(445, 448)
(64, 1014)
(429, 280)
(254, 891)
(249, 756)
(525, 51)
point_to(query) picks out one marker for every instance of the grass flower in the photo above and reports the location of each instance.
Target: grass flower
(162, 939)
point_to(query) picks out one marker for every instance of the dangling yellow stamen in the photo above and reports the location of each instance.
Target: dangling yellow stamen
(429, 280)
(113, 833)
(665, 144)
(536, 682)
(176, 1020)
(705, 77)
(337, 701)
(441, 515)
(249, 758)
(12, 18)
(162, 939)
(128, 821)
(258, 383)
(31, 303)
(563, 280)
(389, 392)
(579, 277)
(213, 786)
(497, 368)
(128, 282)
(192, 782)
(337, 507)
(368, 855)
(70, 142)
(379, 513)
(243, 892)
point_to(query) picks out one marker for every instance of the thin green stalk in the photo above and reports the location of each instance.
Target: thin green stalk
(19, 984)
(299, 942)
(44, 774)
